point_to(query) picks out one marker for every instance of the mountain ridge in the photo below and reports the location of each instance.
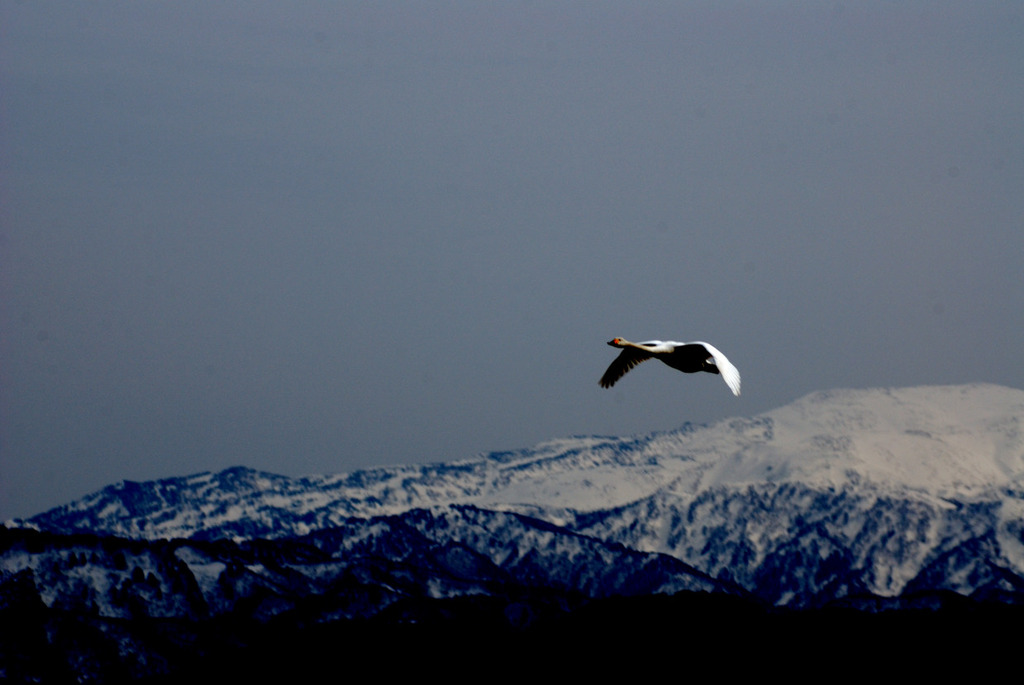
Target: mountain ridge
(794, 442)
(838, 493)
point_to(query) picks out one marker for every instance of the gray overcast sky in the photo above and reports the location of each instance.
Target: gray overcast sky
(316, 237)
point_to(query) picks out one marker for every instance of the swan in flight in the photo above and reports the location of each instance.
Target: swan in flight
(688, 357)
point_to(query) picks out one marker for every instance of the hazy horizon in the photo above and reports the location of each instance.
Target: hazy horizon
(317, 237)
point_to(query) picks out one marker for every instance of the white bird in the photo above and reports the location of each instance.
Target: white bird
(688, 357)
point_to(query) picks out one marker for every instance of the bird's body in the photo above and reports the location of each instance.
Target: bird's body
(688, 357)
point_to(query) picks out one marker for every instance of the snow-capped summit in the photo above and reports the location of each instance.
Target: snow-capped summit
(946, 441)
(838, 493)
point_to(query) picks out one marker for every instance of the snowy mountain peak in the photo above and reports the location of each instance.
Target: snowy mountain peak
(842, 492)
(946, 441)
(943, 439)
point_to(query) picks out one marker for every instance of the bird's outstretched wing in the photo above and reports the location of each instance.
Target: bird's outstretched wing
(730, 374)
(627, 359)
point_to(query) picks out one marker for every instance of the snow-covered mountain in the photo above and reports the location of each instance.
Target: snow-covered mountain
(864, 499)
(846, 492)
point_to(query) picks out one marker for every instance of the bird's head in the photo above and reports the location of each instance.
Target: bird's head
(615, 342)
